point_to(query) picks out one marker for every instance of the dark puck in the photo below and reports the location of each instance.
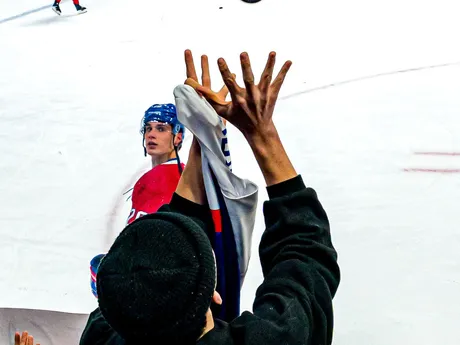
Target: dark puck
(251, 1)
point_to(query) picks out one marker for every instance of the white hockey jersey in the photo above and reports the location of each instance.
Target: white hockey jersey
(233, 200)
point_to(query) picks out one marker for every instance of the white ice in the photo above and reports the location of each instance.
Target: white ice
(72, 93)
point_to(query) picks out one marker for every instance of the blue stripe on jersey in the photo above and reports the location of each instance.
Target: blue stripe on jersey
(229, 281)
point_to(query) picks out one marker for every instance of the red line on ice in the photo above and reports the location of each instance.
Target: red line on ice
(438, 153)
(442, 171)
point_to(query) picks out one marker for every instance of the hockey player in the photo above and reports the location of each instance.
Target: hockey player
(78, 7)
(162, 136)
(162, 139)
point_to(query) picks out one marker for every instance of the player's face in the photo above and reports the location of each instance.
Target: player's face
(158, 139)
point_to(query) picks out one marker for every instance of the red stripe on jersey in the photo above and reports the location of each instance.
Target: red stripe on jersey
(217, 219)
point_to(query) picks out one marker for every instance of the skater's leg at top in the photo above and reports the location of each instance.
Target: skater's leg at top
(76, 3)
(56, 7)
(78, 7)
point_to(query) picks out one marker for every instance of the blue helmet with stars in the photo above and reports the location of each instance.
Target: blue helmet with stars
(164, 113)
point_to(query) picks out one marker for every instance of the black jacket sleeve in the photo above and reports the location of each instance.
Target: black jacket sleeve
(97, 330)
(200, 214)
(293, 305)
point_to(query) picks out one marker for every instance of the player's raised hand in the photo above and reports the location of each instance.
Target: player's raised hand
(251, 108)
(215, 98)
(24, 339)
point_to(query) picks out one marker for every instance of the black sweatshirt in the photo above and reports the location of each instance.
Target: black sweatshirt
(293, 305)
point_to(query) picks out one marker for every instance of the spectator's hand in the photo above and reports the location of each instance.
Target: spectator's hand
(214, 98)
(251, 108)
(24, 339)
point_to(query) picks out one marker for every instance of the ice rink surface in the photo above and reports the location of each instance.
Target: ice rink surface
(369, 113)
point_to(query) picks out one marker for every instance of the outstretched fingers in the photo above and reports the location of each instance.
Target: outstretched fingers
(228, 78)
(266, 77)
(278, 82)
(223, 92)
(248, 76)
(205, 75)
(190, 65)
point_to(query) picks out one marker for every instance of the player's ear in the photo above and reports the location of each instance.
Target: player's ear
(178, 139)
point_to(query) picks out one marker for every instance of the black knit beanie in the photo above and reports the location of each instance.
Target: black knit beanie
(157, 280)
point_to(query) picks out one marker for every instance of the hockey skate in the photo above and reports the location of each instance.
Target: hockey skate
(80, 9)
(56, 9)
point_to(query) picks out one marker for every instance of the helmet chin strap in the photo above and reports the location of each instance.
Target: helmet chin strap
(177, 156)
